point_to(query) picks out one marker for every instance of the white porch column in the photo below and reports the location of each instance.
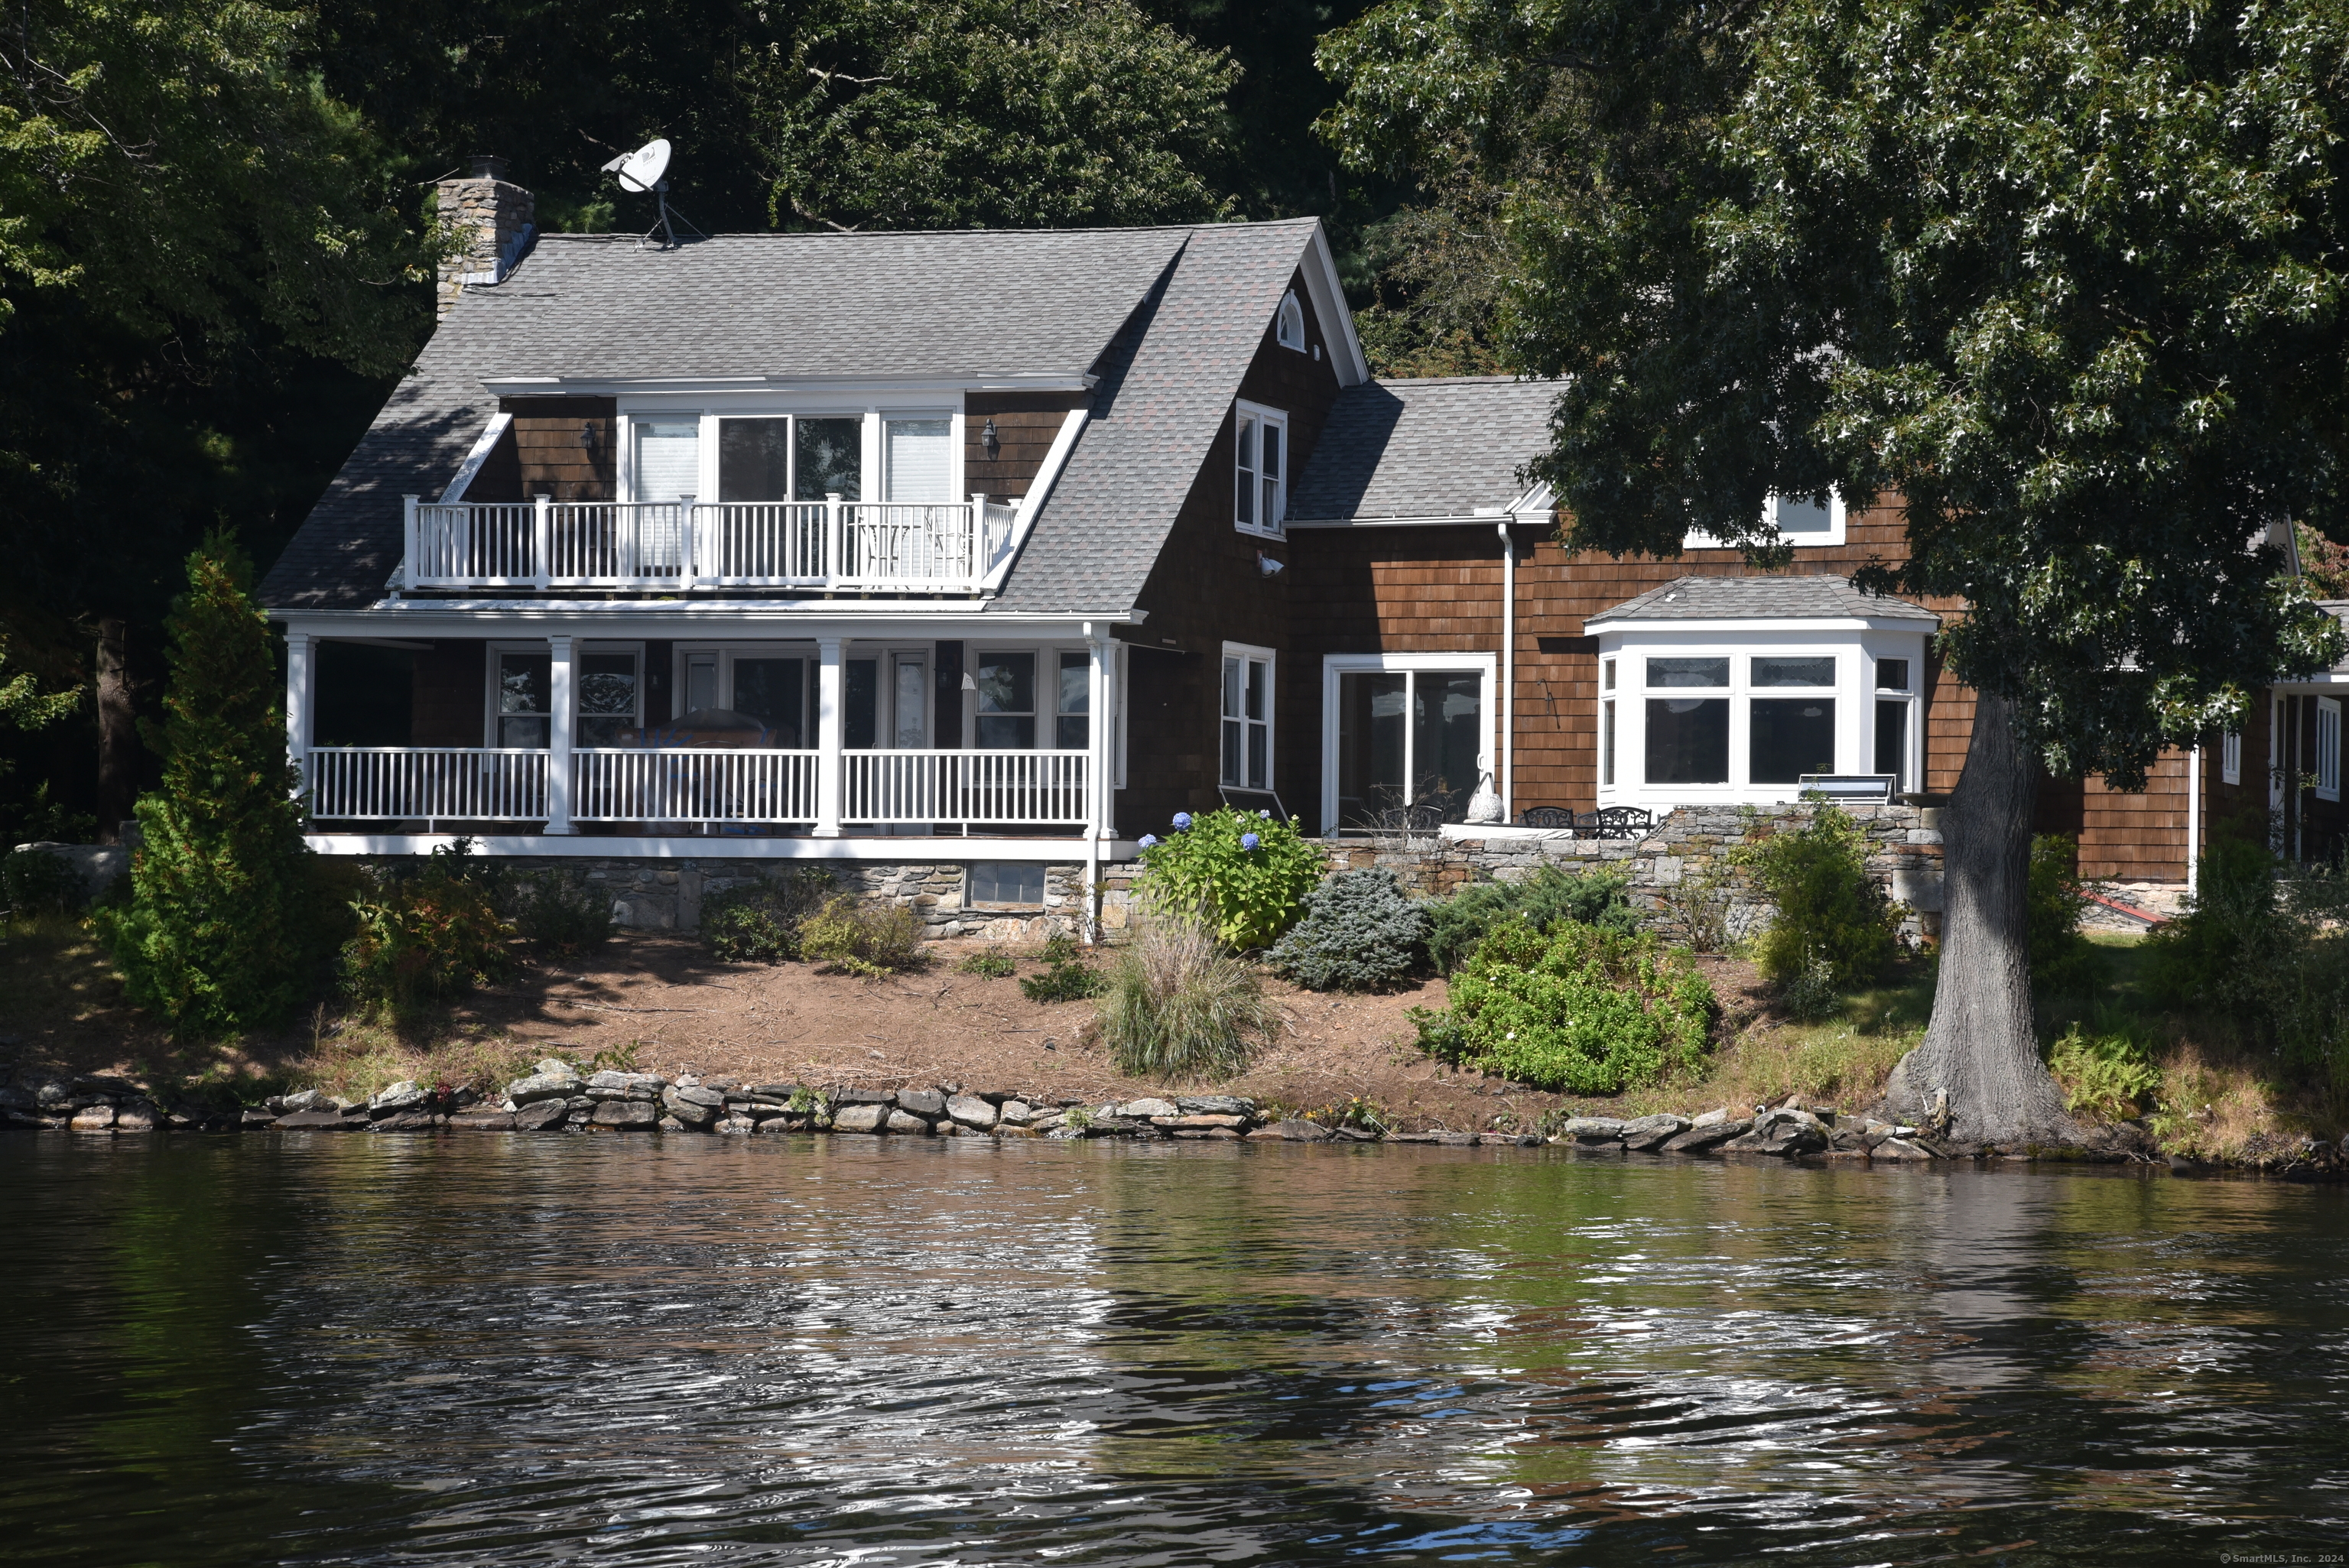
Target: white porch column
(1100, 701)
(560, 705)
(829, 723)
(301, 682)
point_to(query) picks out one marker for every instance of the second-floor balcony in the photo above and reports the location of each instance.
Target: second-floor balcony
(684, 546)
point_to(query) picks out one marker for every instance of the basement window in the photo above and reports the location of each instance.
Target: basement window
(1018, 883)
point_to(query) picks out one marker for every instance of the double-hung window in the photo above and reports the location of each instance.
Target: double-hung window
(1028, 697)
(2231, 757)
(1799, 519)
(2328, 748)
(1260, 495)
(525, 682)
(1248, 717)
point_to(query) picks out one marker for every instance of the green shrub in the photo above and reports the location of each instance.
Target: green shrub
(1828, 912)
(994, 966)
(1065, 980)
(1249, 891)
(2238, 937)
(2062, 958)
(759, 922)
(1576, 1009)
(35, 881)
(854, 937)
(213, 936)
(1179, 1007)
(564, 915)
(2105, 1077)
(1593, 897)
(427, 937)
(1360, 931)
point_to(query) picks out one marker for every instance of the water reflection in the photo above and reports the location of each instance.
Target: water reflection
(567, 1350)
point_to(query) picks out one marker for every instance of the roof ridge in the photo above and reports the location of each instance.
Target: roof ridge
(946, 233)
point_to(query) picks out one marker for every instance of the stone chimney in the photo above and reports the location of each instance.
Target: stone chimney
(489, 213)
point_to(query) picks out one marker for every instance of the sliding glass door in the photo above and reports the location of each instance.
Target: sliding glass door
(1406, 738)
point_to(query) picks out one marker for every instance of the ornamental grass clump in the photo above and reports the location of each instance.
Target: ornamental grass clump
(1248, 872)
(1179, 1007)
(1576, 1009)
(1360, 932)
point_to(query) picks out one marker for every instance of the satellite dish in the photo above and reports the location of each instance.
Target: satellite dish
(641, 171)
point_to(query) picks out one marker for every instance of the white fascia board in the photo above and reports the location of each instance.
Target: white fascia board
(1659, 626)
(706, 847)
(820, 618)
(620, 387)
(1056, 458)
(1320, 269)
(1533, 508)
(484, 445)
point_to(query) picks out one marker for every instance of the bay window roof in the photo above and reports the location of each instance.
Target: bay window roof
(1819, 597)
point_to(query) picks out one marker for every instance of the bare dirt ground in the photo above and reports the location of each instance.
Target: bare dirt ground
(664, 1004)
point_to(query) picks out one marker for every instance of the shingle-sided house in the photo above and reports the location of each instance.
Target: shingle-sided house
(993, 549)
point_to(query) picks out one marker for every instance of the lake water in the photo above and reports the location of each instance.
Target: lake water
(587, 1350)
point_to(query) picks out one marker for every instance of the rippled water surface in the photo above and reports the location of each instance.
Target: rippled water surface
(582, 1350)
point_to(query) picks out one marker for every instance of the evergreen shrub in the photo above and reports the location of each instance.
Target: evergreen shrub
(854, 937)
(1828, 912)
(1248, 872)
(212, 937)
(564, 915)
(428, 936)
(1360, 931)
(759, 922)
(2061, 958)
(1593, 897)
(1179, 1007)
(1575, 1009)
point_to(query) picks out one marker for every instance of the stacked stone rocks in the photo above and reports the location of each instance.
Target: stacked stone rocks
(1784, 1131)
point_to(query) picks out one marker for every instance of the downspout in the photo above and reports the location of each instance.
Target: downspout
(1508, 673)
(2193, 819)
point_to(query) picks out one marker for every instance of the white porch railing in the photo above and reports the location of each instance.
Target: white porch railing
(685, 545)
(681, 784)
(452, 783)
(693, 784)
(966, 788)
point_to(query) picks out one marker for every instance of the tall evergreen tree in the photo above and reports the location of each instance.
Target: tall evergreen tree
(215, 937)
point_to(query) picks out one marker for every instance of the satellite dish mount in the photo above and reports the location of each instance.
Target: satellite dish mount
(646, 170)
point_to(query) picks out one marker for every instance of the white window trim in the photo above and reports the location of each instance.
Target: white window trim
(1263, 416)
(1856, 652)
(1289, 323)
(1048, 664)
(1333, 665)
(2327, 757)
(1117, 764)
(1271, 713)
(2231, 757)
(1838, 527)
(580, 648)
(869, 415)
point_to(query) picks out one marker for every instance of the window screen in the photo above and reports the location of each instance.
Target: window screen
(669, 460)
(754, 460)
(918, 454)
(829, 455)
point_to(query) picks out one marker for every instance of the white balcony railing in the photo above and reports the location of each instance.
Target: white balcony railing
(773, 788)
(685, 545)
(964, 788)
(450, 783)
(680, 784)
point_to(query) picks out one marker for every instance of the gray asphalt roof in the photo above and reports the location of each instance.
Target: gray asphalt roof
(1423, 448)
(961, 303)
(1820, 597)
(1164, 392)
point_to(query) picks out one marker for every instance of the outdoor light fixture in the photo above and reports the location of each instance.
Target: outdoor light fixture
(1267, 565)
(988, 439)
(587, 436)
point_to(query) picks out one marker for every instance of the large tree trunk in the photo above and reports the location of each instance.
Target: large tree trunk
(1978, 1078)
(118, 731)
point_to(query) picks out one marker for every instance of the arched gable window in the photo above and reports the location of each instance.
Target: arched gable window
(1288, 324)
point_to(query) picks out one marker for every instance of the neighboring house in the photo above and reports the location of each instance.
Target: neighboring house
(993, 549)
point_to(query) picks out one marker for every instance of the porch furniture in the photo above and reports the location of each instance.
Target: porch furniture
(1548, 817)
(1617, 822)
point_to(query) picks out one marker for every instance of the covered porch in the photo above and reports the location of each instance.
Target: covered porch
(647, 729)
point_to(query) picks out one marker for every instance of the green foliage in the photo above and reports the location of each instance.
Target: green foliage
(1059, 948)
(853, 937)
(1066, 980)
(1575, 1009)
(36, 881)
(1248, 895)
(1828, 912)
(2105, 1077)
(2063, 959)
(428, 936)
(1178, 1006)
(1593, 897)
(1360, 931)
(1001, 113)
(759, 922)
(22, 704)
(2228, 952)
(214, 938)
(993, 965)
(562, 914)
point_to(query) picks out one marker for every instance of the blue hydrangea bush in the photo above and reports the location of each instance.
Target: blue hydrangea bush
(1243, 874)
